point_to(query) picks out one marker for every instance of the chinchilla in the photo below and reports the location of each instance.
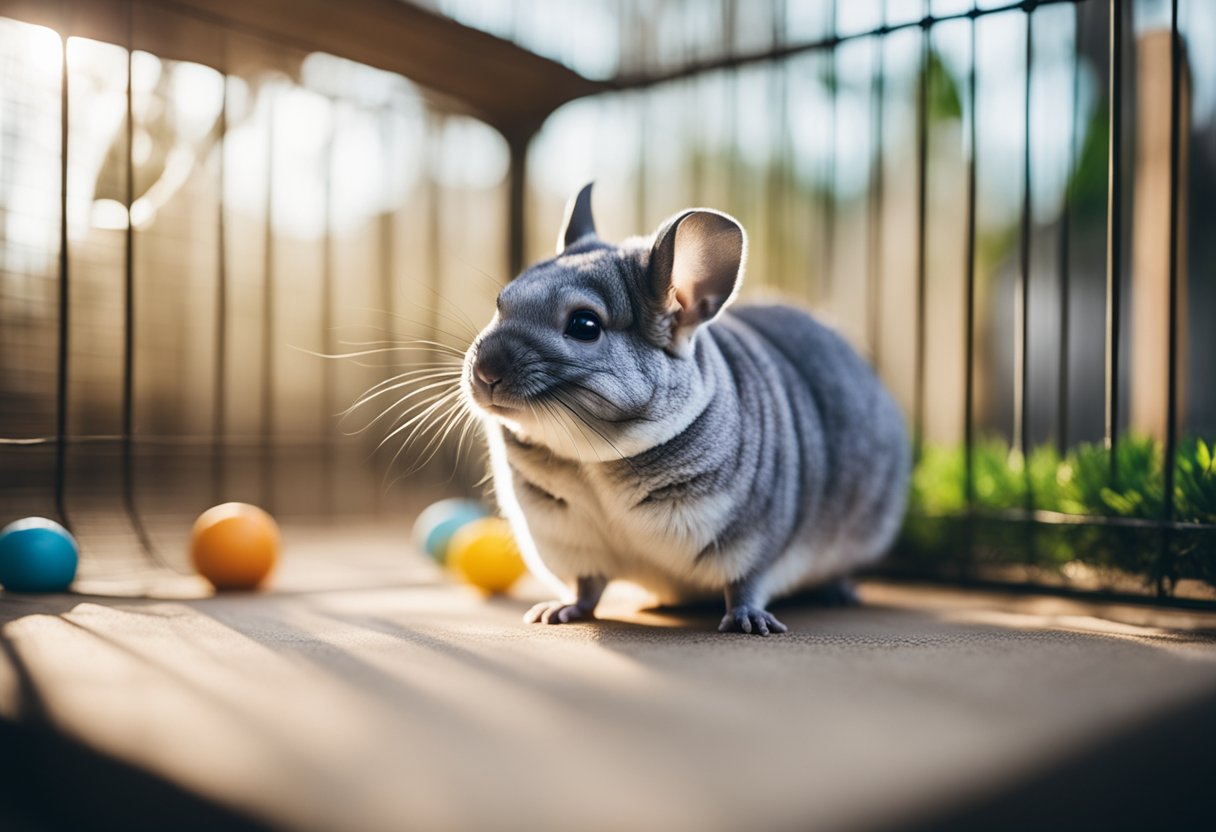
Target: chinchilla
(640, 430)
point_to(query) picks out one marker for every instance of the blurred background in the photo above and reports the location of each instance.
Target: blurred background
(222, 223)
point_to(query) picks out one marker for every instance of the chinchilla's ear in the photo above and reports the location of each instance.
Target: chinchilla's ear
(696, 267)
(578, 222)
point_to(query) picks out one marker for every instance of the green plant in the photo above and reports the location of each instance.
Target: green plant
(1078, 483)
(938, 485)
(1137, 489)
(1195, 481)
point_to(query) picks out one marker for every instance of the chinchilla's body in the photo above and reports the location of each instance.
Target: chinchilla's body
(639, 431)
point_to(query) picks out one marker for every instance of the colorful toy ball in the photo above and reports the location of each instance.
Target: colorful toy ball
(234, 545)
(434, 527)
(37, 555)
(484, 554)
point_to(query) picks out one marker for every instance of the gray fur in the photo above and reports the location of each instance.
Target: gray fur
(749, 452)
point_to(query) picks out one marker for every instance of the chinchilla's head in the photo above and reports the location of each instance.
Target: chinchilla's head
(593, 353)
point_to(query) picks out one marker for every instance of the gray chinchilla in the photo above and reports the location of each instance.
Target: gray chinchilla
(639, 430)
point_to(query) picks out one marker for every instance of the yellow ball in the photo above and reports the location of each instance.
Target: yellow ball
(234, 545)
(484, 553)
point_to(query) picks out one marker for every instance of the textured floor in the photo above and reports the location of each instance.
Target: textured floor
(391, 700)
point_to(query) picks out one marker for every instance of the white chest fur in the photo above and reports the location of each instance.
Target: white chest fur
(580, 519)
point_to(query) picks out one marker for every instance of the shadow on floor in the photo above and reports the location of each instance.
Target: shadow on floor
(49, 782)
(1156, 776)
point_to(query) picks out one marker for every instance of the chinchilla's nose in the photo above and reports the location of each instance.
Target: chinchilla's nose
(486, 376)
(491, 364)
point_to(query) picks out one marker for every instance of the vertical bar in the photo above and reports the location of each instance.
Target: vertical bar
(516, 194)
(385, 227)
(877, 206)
(1171, 422)
(690, 92)
(922, 189)
(829, 205)
(776, 206)
(969, 312)
(219, 425)
(639, 54)
(639, 189)
(327, 316)
(1114, 236)
(61, 389)
(128, 288)
(434, 227)
(387, 246)
(127, 450)
(1065, 230)
(1022, 348)
(268, 319)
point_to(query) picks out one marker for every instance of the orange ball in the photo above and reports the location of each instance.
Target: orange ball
(234, 545)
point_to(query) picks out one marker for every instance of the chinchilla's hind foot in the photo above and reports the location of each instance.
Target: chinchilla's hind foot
(753, 620)
(557, 612)
(839, 593)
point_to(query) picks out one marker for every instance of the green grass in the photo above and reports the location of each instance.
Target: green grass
(1078, 483)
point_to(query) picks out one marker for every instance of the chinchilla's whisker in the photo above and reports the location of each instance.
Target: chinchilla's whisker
(548, 412)
(462, 321)
(576, 385)
(416, 406)
(556, 416)
(618, 411)
(561, 423)
(436, 427)
(442, 385)
(391, 360)
(387, 342)
(419, 431)
(398, 316)
(412, 408)
(415, 419)
(463, 339)
(441, 434)
(419, 369)
(470, 422)
(462, 424)
(407, 346)
(447, 377)
(498, 284)
(388, 410)
(433, 369)
(597, 432)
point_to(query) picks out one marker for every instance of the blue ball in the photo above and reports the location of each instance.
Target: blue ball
(435, 526)
(37, 555)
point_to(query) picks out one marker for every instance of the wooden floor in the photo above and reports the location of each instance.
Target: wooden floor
(365, 693)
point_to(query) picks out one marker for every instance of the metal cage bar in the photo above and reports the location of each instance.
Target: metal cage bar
(1114, 237)
(969, 285)
(1169, 463)
(922, 192)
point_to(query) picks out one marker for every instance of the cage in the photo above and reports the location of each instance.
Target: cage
(243, 244)
(225, 224)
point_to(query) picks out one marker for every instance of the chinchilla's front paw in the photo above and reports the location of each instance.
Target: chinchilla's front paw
(557, 612)
(745, 619)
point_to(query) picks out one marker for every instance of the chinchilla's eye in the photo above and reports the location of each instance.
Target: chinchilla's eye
(584, 325)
